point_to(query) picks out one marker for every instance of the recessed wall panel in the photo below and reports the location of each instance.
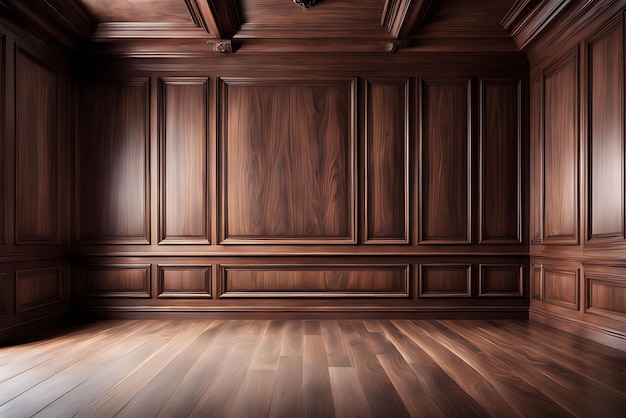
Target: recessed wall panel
(444, 280)
(184, 281)
(113, 281)
(37, 288)
(561, 287)
(501, 280)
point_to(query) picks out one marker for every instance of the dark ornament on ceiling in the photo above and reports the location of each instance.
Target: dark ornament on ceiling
(306, 4)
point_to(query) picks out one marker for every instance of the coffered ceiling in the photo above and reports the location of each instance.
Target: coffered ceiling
(193, 27)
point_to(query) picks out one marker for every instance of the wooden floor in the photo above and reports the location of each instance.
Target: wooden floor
(312, 368)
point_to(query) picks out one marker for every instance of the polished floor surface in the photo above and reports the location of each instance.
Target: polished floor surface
(293, 368)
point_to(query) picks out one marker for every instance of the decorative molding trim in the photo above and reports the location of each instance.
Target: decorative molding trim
(306, 4)
(223, 46)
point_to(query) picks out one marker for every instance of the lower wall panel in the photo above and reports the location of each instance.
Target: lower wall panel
(402, 286)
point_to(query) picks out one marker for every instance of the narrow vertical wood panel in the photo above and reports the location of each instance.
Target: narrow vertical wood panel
(536, 161)
(501, 280)
(536, 284)
(36, 170)
(606, 134)
(386, 190)
(184, 281)
(37, 288)
(288, 171)
(3, 143)
(112, 151)
(444, 280)
(115, 281)
(183, 156)
(561, 153)
(500, 162)
(561, 287)
(445, 163)
(4, 293)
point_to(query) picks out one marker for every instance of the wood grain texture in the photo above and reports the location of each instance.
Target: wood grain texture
(501, 280)
(37, 288)
(314, 281)
(288, 172)
(439, 280)
(37, 169)
(536, 160)
(500, 162)
(4, 293)
(561, 287)
(606, 134)
(138, 10)
(3, 145)
(184, 281)
(113, 281)
(536, 282)
(561, 205)
(184, 202)
(112, 163)
(444, 201)
(386, 178)
(605, 292)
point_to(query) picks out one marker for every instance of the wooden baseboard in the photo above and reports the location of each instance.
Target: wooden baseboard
(608, 337)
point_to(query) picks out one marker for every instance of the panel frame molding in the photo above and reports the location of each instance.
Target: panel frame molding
(222, 120)
(482, 239)
(483, 268)
(537, 157)
(83, 293)
(43, 303)
(223, 268)
(162, 83)
(367, 239)
(592, 276)
(163, 294)
(467, 267)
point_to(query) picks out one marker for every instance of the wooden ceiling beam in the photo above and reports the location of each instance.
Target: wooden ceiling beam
(222, 18)
(404, 17)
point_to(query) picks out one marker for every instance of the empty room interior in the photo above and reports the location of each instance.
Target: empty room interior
(315, 208)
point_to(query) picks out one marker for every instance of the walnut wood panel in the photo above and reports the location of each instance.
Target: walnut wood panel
(606, 295)
(36, 171)
(184, 202)
(536, 161)
(184, 281)
(606, 134)
(444, 280)
(561, 287)
(113, 281)
(4, 293)
(314, 281)
(386, 177)
(174, 11)
(112, 163)
(501, 280)
(37, 288)
(3, 144)
(444, 202)
(500, 162)
(288, 172)
(536, 284)
(561, 153)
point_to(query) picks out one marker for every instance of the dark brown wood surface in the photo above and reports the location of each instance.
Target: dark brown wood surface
(312, 368)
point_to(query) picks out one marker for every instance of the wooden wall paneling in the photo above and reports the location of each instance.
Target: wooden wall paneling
(183, 155)
(536, 284)
(387, 162)
(445, 163)
(500, 177)
(37, 110)
(4, 294)
(561, 287)
(319, 281)
(605, 291)
(4, 135)
(501, 280)
(444, 280)
(112, 173)
(37, 288)
(561, 152)
(114, 281)
(184, 281)
(536, 160)
(288, 174)
(606, 135)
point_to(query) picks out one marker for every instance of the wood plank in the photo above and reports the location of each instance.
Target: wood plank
(287, 396)
(348, 395)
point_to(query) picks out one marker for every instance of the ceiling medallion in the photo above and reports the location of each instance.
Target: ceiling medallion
(306, 4)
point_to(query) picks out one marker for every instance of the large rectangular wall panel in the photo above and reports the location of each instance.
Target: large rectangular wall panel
(37, 169)
(184, 202)
(606, 134)
(386, 178)
(561, 203)
(37, 288)
(445, 280)
(115, 281)
(501, 280)
(278, 281)
(184, 281)
(606, 295)
(500, 162)
(288, 172)
(561, 287)
(112, 163)
(444, 202)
